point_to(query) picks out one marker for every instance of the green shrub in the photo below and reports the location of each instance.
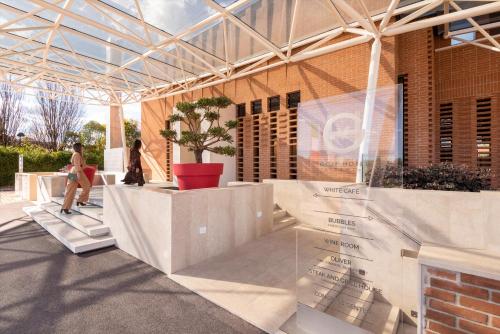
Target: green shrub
(94, 155)
(445, 176)
(36, 159)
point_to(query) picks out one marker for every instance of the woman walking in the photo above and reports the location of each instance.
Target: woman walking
(134, 174)
(76, 176)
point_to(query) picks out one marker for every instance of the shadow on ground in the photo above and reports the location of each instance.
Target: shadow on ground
(44, 288)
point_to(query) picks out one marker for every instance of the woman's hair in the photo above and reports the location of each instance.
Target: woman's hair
(137, 144)
(77, 147)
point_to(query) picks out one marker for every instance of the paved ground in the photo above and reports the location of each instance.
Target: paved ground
(7, 195)
(44, 288)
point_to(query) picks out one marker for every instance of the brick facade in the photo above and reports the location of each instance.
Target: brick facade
(459, 76)
(459, 303)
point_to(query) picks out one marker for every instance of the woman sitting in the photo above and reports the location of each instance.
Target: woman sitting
(134, 174)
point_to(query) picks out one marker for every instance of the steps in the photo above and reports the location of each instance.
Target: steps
(361, 308)
(81, 231)
(351, 305)
(281, 219)
(78, 220)
(75, 240)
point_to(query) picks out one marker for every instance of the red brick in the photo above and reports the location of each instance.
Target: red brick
(495, 322)
(442, 329)
(442, 273)
(458, 311)
(460, 288)
(440, 317)
(440, 294)
(481, 281)
(477, 329)
(480, 305)
(495, 296)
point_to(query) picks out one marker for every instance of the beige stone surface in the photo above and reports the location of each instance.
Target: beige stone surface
(172, 230)
(255, 281)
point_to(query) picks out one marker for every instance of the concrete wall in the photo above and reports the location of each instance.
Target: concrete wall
(42, 186)
(26, 185)
(171, 230)
(453, 218)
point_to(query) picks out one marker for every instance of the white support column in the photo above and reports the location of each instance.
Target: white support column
(371, 94)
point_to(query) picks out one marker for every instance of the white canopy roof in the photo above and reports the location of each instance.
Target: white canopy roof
(120, 51)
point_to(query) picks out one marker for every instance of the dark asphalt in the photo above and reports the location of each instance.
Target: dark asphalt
(44, 288)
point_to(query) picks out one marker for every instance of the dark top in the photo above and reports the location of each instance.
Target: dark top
(134, 161)
(134, 174)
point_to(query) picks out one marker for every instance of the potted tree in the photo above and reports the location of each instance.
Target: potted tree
(203, 132)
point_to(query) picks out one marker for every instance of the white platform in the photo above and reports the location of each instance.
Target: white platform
(75, 240)
(81, 222)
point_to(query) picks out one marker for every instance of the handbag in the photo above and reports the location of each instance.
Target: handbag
(73, 176)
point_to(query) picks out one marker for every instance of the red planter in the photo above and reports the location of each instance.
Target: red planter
(88, 170)
(196, 176)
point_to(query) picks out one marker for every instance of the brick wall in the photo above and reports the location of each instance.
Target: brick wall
(459, 303)
(414, 58)
(464, 75)
(459, 76)
(336, 73)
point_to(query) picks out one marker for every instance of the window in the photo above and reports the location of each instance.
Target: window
(256, 150)
(274, 103)
(292, 100)
(446, 132)
(168, 155)
(256, 107)
(483, 132)
(240, 110)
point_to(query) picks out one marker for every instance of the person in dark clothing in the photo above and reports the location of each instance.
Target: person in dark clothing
(134, 174)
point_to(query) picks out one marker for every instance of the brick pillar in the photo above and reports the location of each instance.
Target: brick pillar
(460, 303)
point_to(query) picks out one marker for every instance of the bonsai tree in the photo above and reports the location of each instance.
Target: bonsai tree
(196, 139)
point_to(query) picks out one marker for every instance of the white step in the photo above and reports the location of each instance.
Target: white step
(351, 305)
(278, 214)
(283, 222)
(93, 211)
(319, 293)
(70, 237)
(95, 201)
(382, 318)
(85, 224)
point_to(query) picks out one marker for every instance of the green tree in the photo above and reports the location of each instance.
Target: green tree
(93, 134)
(195, 138)
(131, 132)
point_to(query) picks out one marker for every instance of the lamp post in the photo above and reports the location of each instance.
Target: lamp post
(21, 135)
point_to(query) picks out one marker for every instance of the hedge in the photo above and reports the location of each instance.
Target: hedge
(444, 176)
(35, 160)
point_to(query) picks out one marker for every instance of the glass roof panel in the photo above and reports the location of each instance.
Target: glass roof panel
(225, 3)
(174, 16)
(241, 45)
(209, 39)
(374, 7)
(315, 17)
(271, 19)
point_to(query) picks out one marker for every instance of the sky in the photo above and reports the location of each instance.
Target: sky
(91, 112)
(100, 113)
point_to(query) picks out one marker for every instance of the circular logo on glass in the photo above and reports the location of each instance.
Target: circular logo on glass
(342, 133)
